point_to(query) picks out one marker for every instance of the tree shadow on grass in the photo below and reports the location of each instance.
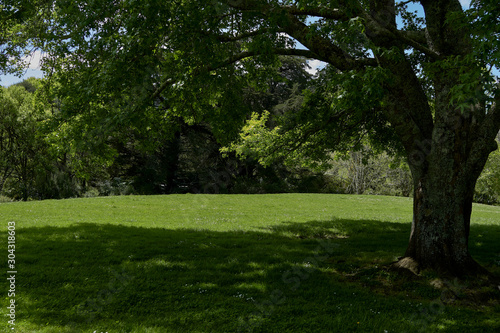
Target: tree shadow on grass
(388, 239)
(116, 278)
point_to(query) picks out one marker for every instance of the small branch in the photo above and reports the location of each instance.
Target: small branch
(404, 3)
(244, 35)
(161, 88)
(328, 13)
(296, 52)
(241, 36)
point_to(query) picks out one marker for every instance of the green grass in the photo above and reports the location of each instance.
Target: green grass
(232, 263)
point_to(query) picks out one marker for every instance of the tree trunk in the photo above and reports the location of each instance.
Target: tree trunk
(445, 170)
(440, 227)
(447, 147)
(6, 174)
(170, 159)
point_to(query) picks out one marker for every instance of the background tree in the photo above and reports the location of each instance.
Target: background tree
(426, 82)
(367, 171)
(18, 22)
(8, 136)
(21, 150)
(488, 184)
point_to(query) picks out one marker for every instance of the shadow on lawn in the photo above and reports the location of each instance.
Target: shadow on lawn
(118, 278)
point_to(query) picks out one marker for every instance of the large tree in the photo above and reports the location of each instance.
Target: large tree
(427, 80)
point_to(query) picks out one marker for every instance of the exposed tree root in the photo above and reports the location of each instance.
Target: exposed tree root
(472, 285)
(468, 269)
(406, 265)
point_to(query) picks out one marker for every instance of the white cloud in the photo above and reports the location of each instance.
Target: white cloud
(34, 60)
(315, 66)
(32, 69)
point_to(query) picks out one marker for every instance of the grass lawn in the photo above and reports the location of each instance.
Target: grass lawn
(232, 263)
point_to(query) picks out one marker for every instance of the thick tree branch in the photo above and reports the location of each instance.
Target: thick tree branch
(483, 138)
(322, 48)
(485, 142)
(492, 119)
(445, 37)
(387, 31)
(405, 38)
(417, 36)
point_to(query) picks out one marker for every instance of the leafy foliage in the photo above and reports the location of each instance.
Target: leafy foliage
(369, 172)
(23, 151)
(337, 113)
(488, 184)
(127, 76)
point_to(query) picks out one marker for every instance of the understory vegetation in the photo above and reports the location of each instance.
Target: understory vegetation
(239, 263)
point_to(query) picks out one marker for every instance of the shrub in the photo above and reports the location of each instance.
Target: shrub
(368, 172)
(488, 185)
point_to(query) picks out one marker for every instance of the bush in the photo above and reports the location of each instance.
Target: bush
(116, 186)
(54, 183)
(366, 172)
(5, 199)
(488, 185)
(91, 192)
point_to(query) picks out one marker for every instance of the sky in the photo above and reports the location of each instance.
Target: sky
(35, 71)
(32, 71)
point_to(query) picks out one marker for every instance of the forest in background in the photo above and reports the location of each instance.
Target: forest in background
(43, 156)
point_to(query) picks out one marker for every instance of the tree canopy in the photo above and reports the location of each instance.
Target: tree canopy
(129, 53)
(422, 84)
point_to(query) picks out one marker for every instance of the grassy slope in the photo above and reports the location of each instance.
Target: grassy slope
(201, 263)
